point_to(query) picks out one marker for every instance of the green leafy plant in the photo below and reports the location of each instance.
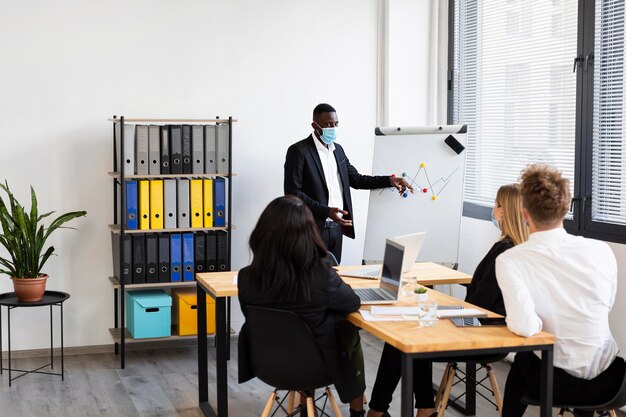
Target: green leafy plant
(24, 235)
(420, 290)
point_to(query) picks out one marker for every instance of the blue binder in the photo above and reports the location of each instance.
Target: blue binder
(219, 202)
(175, 257)
(131, 205)
(188, 243)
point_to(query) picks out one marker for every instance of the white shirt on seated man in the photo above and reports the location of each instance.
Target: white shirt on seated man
(562, 284)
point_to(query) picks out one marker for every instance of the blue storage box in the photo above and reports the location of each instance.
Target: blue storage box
(148, 313)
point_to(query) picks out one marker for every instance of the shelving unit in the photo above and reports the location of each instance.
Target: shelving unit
(118, 227)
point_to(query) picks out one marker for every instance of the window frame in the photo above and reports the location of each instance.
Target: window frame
(581, 222)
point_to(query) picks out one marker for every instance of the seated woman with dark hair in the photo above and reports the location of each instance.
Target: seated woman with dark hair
(290, 270)
(483, 292)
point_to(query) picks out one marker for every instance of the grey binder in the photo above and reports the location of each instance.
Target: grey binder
(154, 149)
(210, 166)
(169, 203)
(197, 149)
(222, 148)
(141, 149)
(128, 159)
(183, 203)
(176, 149)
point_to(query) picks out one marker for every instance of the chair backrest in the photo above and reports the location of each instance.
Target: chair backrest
(619, 400)
(282, 351)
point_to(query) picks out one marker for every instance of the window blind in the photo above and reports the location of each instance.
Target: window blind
(608, 202)
(514, 87)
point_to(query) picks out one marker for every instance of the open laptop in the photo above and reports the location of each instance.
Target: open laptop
(412, 244)
(389, 289)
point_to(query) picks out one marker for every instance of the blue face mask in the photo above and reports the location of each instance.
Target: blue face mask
(329, 134)
(494, 221)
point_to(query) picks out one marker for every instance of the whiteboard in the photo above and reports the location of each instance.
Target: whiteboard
(436, 172)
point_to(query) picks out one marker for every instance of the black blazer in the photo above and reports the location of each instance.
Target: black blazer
(304, 177)
(484, 290)
(331, 300)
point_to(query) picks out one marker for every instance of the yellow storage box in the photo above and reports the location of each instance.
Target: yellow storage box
(185, 309)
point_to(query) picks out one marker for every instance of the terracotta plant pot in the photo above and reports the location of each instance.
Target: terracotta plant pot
(29, 290)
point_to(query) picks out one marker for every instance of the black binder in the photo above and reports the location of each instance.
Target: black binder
(176, 150)
(164, 257)
(139, 259)
(126, 246)
(200, 252)
(223, 260)
(187, 165)
(152, 258)
(211, 251)
(165, 150)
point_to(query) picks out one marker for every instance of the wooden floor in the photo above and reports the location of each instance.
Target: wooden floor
(156, 382)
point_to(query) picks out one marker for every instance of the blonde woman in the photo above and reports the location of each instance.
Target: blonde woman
(483, 292)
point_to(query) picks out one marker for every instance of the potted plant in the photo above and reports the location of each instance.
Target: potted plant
(24, 236)
(420, 294)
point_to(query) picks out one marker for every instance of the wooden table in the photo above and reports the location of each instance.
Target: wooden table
(442, 340)
(424, 273)
(446, 340)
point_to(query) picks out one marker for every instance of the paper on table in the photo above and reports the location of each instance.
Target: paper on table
(460, 312)
(394, 311)
(235, 280)
(368, 316)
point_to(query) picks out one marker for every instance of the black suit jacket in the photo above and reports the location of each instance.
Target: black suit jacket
(304, 177)
(484, 290)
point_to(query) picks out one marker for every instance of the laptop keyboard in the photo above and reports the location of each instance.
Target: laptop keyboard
(372, 294)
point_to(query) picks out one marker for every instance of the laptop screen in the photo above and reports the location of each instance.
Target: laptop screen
(392, 266)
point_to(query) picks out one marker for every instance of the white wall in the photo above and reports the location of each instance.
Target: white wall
(69, 65)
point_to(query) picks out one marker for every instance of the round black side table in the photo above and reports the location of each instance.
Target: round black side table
(10, 301)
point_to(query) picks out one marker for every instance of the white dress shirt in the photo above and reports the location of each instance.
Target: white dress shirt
(331, 173)
(566, 285)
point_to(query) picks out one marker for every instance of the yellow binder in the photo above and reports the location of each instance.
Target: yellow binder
(208, 203)
(195, 200)
(156, 204)
(144, 204)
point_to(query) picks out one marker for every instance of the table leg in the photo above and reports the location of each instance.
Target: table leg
(203, 377)
(547, 374)
(62, 357)
(228, 328)
(9, 340)
(221, 334)
(406, 408)
(51, 341)
(470, 389)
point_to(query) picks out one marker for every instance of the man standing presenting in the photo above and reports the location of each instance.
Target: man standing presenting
(566, 286)
(318, 171)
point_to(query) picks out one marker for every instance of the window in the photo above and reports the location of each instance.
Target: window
(517, 83)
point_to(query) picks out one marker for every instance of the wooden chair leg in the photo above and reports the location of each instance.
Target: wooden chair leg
(268, 404)
(333, 403)
(446, 393)
(494, 387)
(310, 407)
(612, 413)
(442, 384)
(291, 400)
